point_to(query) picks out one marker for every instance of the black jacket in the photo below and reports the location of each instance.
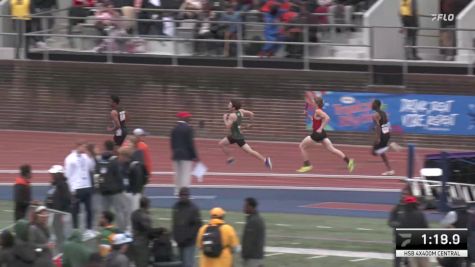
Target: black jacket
(182, 144)
(141, 224)
(413, 217)
(22, 197)
(113, 184)
(60, 196)
(186, 223)
(253, 239)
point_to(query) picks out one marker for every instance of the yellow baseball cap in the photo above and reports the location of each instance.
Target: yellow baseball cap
(218, 212)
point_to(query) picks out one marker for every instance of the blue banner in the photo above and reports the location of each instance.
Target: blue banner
(408, 113)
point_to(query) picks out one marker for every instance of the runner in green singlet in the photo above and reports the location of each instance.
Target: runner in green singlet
(233, 122)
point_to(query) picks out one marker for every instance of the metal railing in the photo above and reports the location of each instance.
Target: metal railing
(306, 48)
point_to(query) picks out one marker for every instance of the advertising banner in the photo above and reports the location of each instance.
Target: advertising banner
(408, 113)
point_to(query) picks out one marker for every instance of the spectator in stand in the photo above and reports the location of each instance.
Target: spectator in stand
(192, 8)
(447, 35)
(254, 236)
(22, 192)
(186, 223)
(183, 150)
(45, 8)
(232, 27)
(217, 231)
(110, 184)
(142, 229)
(108, 230)
(413, 217)
(59, 198)
(39, 237)
(142, 146)
(7, 242)
(147, 13)
(410, 19)
(79, 9)
(294, 33)
(206, 28)
(271, 32)
(118, 258)
(23, 251)
(78, 167)
(76, 252)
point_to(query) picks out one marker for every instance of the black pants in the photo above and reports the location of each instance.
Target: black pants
(145, 27)
(20, 211)
(82, 196)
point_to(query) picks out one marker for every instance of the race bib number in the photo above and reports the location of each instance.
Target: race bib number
(385, 128)
(118, 132)
(122, 116)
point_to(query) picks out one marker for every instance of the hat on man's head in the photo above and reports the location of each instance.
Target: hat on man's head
(40, 209)
(217, 212)
(56, 169)
(140, 132)
(121, 239)
(183, 114)
(410, 199)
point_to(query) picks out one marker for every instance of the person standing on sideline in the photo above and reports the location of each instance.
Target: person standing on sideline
(39, 236)
(78, 167)
(110, 185)
(186, 223)
(253, 239)
(22, 192)
(142, 146)
(217, 241)
(119, 120)
(141, 230)
(183, 150)
(58, 198)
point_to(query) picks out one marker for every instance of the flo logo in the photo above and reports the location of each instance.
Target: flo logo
(443, 17)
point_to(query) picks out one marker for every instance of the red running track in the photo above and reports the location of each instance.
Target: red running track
(43, 149)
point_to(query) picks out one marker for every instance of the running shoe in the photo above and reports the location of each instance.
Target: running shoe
(389, 173)
(351, 165)
(230, 161)
(268, 163)
(305, 169)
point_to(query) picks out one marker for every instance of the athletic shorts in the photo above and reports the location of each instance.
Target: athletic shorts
(382, 146)
(318, 137)
(118, 140)
(240, 142)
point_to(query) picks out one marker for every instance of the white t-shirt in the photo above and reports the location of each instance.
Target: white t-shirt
(77, 169)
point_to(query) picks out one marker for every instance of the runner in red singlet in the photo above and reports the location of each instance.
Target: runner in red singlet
(320, 120)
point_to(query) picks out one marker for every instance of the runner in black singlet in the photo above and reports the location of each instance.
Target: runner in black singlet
(119, 119)
(382, 129)
(233, 122)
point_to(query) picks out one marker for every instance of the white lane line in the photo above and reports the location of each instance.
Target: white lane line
(324, 227)
(316, 257)
(273, 254)
(363, 259)
(174, 197)
(240, 223)
(328, 252)
(264, 187)
(261, 174)
(164, 219)
(295, 243)
(283, 225)
(364, 229)
(8, 210)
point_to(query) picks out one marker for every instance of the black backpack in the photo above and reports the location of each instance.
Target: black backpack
(104, 179)
(162, 250)
(212, 242)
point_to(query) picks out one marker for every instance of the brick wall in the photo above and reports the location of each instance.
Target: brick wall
(57, 96)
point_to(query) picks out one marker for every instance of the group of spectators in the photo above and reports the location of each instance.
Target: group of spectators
(410, 20)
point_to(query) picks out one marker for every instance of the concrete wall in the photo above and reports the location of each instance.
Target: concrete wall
(54, 96)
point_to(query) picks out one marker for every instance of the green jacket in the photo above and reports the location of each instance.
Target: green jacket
(76, 253)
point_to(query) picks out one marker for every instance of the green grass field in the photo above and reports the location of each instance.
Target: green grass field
(299, 232)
